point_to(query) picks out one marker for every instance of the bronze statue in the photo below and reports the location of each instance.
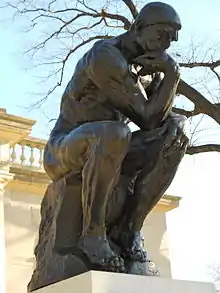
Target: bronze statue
(107, 179)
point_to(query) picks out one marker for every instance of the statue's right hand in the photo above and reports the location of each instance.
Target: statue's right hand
(170, 65)
(163, 63)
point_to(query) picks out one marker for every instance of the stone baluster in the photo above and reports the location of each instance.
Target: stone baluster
(22, 156)
(13, 155)
(28, 152)
(32, 155)
(31, 152)
(41, 149)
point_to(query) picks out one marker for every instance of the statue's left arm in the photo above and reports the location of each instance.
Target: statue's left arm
(151, 88)
(176, 123)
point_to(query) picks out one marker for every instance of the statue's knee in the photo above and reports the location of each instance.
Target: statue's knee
(119, 131)
(118, 136)
(111, 137)
(175, 156)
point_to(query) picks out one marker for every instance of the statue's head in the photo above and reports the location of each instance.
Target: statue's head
(156, 26)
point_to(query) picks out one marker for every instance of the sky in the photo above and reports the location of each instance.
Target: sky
(193, 228)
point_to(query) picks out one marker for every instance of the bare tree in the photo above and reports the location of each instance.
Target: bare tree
(68, 26)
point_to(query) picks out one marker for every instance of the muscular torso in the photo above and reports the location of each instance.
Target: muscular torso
(83, 101)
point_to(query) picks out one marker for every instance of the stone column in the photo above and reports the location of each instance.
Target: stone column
(158, 245)
(4, 179)
(12, 130)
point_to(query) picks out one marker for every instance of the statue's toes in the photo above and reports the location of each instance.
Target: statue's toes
(118, 264)
(114, 264)
(142, 256)
(136, 255)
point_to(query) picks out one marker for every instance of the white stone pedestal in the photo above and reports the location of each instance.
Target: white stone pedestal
(103, 282)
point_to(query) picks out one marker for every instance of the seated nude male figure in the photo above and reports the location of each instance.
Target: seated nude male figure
(91, 137)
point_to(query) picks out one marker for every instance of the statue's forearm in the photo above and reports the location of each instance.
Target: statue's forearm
(161, 101)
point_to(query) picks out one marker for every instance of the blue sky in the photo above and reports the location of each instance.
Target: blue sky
(193, 227)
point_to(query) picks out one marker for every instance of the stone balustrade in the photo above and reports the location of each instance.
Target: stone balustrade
(28, 153)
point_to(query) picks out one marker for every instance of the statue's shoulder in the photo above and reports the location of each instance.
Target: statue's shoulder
(105, 54)
(101, 51)
(105, 48)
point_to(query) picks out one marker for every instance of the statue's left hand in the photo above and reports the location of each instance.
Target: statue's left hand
(176, 137)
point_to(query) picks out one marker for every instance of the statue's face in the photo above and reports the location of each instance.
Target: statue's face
(157, 37)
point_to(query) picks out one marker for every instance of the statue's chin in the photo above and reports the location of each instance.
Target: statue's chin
(155, 51)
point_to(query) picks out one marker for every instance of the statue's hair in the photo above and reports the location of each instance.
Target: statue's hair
(156, 13)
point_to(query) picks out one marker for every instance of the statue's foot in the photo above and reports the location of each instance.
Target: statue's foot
(132, 247)
(99, 253)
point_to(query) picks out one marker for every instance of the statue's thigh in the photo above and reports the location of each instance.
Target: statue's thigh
(76, 147)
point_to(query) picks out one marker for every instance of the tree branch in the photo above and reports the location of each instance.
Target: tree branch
(87, 27)
(132, 7)
(119, 17)
(56, 33)
(192, 150)
(216, 74)
(185, 112)
(82, 2)
(112, 26)
(202, 104)
(92, 13)
(42, 10)
(213, 64)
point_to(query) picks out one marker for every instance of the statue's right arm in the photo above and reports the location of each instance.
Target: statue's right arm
(107, 68)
